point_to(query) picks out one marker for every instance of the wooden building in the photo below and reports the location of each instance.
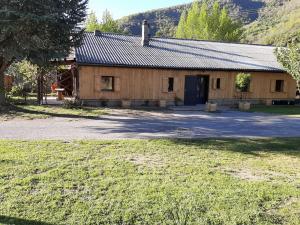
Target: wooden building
(144, 70)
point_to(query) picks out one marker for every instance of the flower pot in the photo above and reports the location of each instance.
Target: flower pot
(244, 106)
(126, 103)
(211, 107)
(162, 103)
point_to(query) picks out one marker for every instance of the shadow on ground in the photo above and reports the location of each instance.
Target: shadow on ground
(288, 146)
(13, 110)
(17, 221)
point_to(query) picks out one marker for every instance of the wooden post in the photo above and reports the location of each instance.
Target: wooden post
(38, 89)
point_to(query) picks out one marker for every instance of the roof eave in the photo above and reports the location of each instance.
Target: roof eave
(181, 68)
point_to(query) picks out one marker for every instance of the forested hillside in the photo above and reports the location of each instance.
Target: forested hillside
(164, 21)
(278, 23)
(266, 21)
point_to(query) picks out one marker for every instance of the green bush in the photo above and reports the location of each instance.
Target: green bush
(69, 104)
(242, 82)
(17, 91)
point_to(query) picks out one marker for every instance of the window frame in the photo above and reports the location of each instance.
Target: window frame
(170, 90)
(218, 83)
(281, 86)
(113, 83)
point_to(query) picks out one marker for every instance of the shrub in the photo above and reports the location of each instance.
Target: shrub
(69, 104)
(242, 82)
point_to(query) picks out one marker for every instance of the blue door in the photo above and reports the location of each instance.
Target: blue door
(196, 90)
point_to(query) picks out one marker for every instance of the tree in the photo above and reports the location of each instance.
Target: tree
(92, 23)
(192, 21)
(290, 59)
(166, 27)
(242, 83)
(107, 24)
(180, 32)
(24, 75)
(204, 23)
(39, 30)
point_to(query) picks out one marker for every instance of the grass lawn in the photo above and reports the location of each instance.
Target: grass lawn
(150, 182)
(17, 109)
(281, 110)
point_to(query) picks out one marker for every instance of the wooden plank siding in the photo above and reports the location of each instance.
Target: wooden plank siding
(149, 84)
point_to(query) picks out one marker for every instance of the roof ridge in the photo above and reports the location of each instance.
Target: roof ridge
(186, 39)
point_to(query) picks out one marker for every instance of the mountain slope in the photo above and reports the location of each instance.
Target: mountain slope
(266, 21)
(164, 21)
(278, 23)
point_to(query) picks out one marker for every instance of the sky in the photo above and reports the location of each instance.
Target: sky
(120, 8)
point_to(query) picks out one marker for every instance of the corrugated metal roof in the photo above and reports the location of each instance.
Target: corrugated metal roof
(124, 50)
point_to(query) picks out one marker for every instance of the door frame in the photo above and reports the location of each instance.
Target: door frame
(207, 86)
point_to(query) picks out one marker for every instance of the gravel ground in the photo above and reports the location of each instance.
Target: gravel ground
(138, 125)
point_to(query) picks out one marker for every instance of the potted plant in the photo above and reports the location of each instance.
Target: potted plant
(242, 83)
(211, 106)
(126, 103)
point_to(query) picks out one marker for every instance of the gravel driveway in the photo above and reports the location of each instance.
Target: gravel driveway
(138, 124)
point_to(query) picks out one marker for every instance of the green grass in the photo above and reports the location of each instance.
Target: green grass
(150, 182)
(17, 109)
(281, 110)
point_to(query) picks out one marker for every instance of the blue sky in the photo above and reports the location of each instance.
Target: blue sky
(120, 8)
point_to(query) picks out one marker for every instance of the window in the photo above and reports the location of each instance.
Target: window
(218, 85)
(279, 85)
(170, 84)
(107, 83)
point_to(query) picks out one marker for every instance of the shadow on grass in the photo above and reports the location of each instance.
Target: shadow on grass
(17, 221)
(13, 110)
(288, 146)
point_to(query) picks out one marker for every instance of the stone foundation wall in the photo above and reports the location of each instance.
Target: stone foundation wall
(118, 103)
(155, 103)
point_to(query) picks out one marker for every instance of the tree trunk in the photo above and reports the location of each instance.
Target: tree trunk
(4, 64)
(2, 88)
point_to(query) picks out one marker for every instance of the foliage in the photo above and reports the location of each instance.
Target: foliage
(107, 24)
(166, 27)
(245, 10)
(91, 23)
(24, 74)
(290, 59)
(180, 31)
(206, 24)
(69, 104)
(278, 24)
(150, 182)
(39, 30)
(242, 82)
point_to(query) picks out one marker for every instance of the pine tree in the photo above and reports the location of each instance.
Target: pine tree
(38, 30)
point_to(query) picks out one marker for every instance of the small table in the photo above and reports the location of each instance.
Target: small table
(60, 94)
